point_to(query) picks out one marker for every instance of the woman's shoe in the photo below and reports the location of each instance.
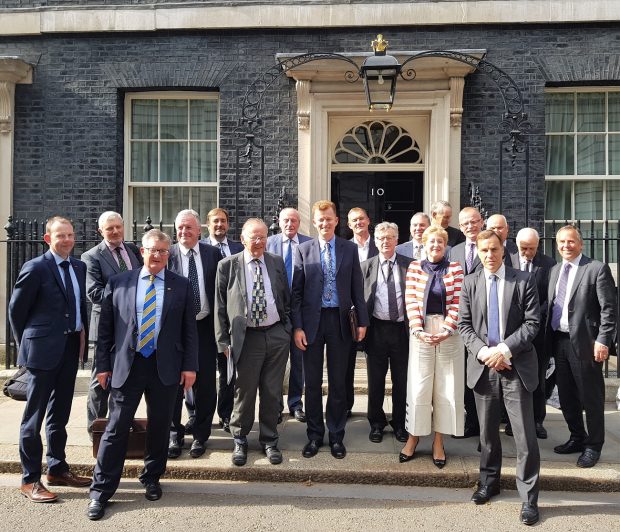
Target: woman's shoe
(440, 462)
(402, 457)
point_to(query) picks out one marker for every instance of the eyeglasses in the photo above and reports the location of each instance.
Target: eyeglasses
(155, 252)
(385, 237)
(257, 239)
(471, 222)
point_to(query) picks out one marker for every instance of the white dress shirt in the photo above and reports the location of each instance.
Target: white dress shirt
(483, 354)
(204, 302)
(362, 249)
(569, 288)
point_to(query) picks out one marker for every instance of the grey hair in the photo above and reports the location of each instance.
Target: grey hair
(252, 221)
(526, 231)
(156, 235)
(187, 212)
(383, 227)
(108, 215)
(440, 205)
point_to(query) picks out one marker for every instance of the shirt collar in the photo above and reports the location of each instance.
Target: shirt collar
(285, 238)
(185, 250)
(215, 242)
(323, 242)
(501, 273)
(144, 273)
(112, 247)
(574, 262)
(470, 242)
(58, 258)
(247, 258)
(392, 259)
(365, 245)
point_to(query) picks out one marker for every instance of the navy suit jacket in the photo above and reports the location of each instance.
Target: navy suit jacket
(234, 246)
(100, 266)
(308, 287)
(177, 342)
(39, 311)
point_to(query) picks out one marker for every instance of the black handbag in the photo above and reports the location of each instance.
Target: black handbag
(16, 387)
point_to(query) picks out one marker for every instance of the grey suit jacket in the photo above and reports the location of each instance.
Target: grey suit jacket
(520, 317)
(457, 254)
(100, 266)
(591, 306)
(231, 300)
(370, 272)
(274, 242)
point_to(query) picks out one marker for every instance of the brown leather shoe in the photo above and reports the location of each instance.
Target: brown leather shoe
(37, 492)
(68, 479)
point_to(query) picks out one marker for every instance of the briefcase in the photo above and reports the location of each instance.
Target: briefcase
(16, 387)
(353, 323)
(137, 437)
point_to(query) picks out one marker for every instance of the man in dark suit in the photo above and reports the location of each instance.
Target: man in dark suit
(326, 283)
(581, 327)
(414, 249)
(466, 255)
(198, 262)
(147, 345)
(113, 255)
(499, 318)
(47, 312)
(217, 223)
(359, 222)
(499, 225)
(529, 259)
(285, 245)
(441, 214)
(387, 341)
(252, 304)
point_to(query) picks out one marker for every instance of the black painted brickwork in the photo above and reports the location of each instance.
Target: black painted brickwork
(69, 123)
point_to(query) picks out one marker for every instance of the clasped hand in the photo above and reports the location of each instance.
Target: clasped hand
(433, 339)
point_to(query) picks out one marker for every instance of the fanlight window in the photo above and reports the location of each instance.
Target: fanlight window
(377, 142)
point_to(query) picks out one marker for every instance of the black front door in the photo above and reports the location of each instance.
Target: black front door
(386, 197)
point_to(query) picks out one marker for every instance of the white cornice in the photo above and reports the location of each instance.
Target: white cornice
(156, 17)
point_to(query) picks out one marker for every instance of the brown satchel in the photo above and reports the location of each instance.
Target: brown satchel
(353, 322)
(137, 437)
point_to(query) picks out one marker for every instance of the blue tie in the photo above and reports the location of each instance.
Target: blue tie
(493, 334)
(146, 346)
(288, 262)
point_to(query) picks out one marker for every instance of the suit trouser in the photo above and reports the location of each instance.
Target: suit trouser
(205, 394)
(124, 401)
(50, 390)
(225, 390)
(580, 386)
(540, 395)
(492, 389)
(471, 414)
(350, 376)
(260, 367)
(328, 336)
(387, 344)
(97, 400)
(295, 380)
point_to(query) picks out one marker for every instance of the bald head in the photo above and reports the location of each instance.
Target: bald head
(498, 224)
(289, 222)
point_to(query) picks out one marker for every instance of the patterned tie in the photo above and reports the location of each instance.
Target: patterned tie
(558, 304)
(288, 262)
(122, 265)
(221, 246)
(146, 345)
(193, 280)
(493, 333)
(416, 252)
(328, 273)
(258, 310)
(391, 287)
(469, 261)
(70, 293)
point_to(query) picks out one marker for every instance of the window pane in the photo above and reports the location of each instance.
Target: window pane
(144, 119)
(614, 154)
(174, 199)
(613, 109)
(613, 200)
(560, 155)
(558, 200)
(146, 203)
(559, 110)
(203, 119)
(144, 161)
(588, 200)
(203, 200)
(592, 247)
(591, 112)
(173, 119)
(203, 162)
(173, 161)
(591, 154)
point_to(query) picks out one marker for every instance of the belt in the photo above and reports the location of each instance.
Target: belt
(263, 329)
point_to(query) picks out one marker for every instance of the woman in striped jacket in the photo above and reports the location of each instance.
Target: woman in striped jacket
(435, 375)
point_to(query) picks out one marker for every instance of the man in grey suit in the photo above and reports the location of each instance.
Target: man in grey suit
(285, 245)
(581, 327)
(499, 318)
(113, 255)
(252, 325)
(414, 249)
(387, 341)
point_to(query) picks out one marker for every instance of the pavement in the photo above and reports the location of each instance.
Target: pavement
(365, 463)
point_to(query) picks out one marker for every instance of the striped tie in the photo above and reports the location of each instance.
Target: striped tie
(146, 346)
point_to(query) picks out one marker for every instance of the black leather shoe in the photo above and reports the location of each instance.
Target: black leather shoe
(589, 458)
(152, 491)
(529, 514)
(273, 454)
(96, 510)
(311, 448)
(508, 430)
(240, 454)
(571, 446)
(483, 494)
(541, 432)
(401, 435)
(225, 424)
(469, 432)
(198, 449)
(175, 447)
(189, 426)
(338, 450)
(376, 435)
(299, 415)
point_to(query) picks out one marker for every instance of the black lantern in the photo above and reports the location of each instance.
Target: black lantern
(379, 73)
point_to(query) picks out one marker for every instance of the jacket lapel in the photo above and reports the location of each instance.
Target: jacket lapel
(339, 245)
(238, 272)
(106, 254)
(581, 270)
(132, 289)
(51, 264)
(169, 286)
(480, 298)
(509, 288)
